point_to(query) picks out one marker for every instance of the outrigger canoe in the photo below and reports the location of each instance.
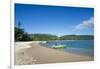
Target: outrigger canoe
(58, 46)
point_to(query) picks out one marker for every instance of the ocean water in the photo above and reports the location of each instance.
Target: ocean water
(81, 47)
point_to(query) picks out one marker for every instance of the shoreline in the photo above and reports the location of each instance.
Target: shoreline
(27, 53)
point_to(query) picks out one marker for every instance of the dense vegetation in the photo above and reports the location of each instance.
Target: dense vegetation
(43, 37)
(21, 35)
(77, 37)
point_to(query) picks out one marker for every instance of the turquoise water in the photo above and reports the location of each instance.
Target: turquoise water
(81, 47)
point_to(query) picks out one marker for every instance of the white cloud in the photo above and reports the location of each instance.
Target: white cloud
(85, 24)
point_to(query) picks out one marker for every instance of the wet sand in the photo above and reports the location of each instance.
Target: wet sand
(34, 53)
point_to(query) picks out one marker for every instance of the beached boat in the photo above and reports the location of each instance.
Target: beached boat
(58, 46)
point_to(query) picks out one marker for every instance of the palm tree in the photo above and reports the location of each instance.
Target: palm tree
(19, 24)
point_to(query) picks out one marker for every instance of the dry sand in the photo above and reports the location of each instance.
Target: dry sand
(27, 53)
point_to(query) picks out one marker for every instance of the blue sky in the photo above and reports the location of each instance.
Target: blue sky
(55, 20)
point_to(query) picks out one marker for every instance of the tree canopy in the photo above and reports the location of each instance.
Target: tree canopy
(21, 35)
